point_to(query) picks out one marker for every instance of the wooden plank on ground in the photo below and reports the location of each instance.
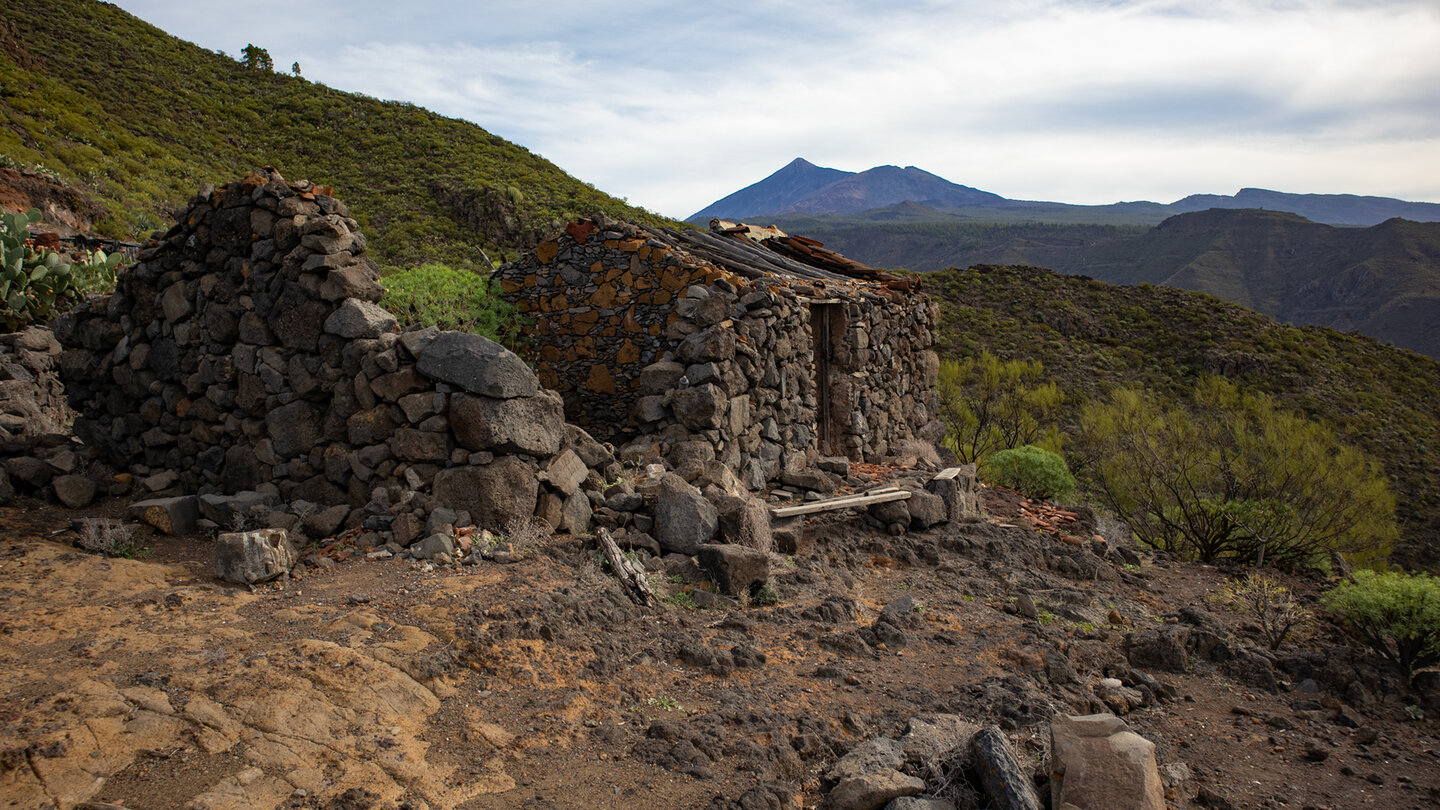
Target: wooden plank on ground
(848, 502)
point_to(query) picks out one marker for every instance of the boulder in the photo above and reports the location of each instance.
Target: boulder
(699, 408)
(660, 376)
(874, 790)
(172, 516)
(1096, 764)
(294, 428)
(360, 319)
(926, 510)
(433, 546)
(812, 479)
(959, 489)
(534, 425)
(322, 523)
(1158, 649)
(876, 754)
(735, 569)
(684, 520)
(745, 521)
(937, 738)
(247, 558)
(74, 491)
(566, 472)
(478, 365)
(228, 511)
(495, 494)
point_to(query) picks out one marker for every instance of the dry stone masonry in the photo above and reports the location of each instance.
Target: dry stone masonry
(243, 358)
(709, 352)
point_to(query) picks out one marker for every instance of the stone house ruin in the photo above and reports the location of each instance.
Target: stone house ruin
(741, 346)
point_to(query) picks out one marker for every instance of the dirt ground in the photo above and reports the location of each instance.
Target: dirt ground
(149, 684)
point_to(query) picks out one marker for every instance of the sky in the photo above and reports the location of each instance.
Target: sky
(673, 105)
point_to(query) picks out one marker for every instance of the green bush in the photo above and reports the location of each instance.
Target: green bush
(436, 295)
(1032, 471)
(1397, 614)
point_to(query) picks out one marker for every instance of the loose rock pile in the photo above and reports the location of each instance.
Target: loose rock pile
(245, 353)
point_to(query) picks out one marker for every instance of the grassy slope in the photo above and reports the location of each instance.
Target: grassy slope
(1091, 335)
(140, 120)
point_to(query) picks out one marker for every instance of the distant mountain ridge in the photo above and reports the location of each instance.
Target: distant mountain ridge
(804, 188)
(1382, 281)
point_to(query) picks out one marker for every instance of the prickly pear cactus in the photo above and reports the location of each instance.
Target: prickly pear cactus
(37, 284)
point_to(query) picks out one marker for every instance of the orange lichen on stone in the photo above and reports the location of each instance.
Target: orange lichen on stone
(600, 380)
(580, 231)
(507, 286)
(549, 353)
(628, 353)
(585, 348)
(604, 296)
(585, 321)
(545, 252)
(548, 377)
(630, 324)
(658, 255)
(558, 302)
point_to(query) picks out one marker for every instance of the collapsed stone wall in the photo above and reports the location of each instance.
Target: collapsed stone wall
(32, 398)
(694, 364)
(245, 351)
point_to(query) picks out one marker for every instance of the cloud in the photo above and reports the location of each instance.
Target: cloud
(675, 105)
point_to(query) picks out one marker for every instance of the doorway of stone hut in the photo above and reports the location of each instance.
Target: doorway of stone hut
(827, 326)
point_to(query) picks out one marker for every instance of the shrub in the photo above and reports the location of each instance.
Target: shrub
(436, 295)
(1235, 475)
(1397, 614)
(1032, 471)
(1270, 604)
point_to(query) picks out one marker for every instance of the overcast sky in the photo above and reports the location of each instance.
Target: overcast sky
(674, 105)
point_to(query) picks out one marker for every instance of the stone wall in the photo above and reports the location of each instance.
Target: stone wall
(245, 351)
(603, 298)
(32, 398)
(691, 363)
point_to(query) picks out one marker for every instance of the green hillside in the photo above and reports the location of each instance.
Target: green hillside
(1382, 281)
(1091, 336)
(139, 120)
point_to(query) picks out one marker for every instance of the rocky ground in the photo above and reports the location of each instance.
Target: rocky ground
(147, 683)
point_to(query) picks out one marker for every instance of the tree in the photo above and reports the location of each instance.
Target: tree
(257, 58)
(989, 404)
(1397, 614)
(295, 69)
(1235, 476)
